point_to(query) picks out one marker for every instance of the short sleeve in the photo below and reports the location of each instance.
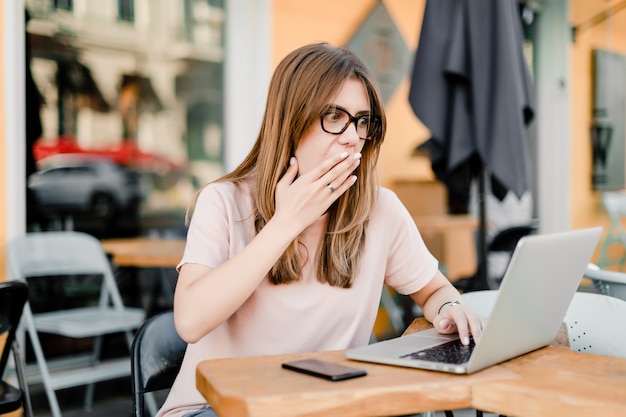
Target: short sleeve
(410, 265)
(222, 223)
(208, 233)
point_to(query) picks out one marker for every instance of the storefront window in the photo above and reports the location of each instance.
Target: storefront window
(63, 4)
(146, 95)
(126, 10)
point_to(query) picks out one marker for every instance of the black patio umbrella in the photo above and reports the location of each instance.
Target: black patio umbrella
(471, 87)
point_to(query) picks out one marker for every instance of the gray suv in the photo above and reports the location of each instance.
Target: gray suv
(84, 183)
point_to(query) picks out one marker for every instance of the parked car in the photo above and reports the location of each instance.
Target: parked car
(85, 184)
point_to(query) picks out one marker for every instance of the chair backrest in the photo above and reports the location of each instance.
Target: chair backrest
(481, 302)
(500, 250)
(615, 205)
(13, 296)
(595, 324)
(594, 321)
(43, 254)
(612, 283)
(156, 356)
(506, 239)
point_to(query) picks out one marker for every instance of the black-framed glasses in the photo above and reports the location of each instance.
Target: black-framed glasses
(335, 120)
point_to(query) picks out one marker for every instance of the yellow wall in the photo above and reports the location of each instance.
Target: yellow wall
(299, 22)
(609, 35)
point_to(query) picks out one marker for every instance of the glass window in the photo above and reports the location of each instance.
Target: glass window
(204, 20)
(126, 10)
(63, 4)
(162, 120)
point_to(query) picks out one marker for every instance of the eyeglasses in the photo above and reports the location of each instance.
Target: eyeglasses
(336, 120)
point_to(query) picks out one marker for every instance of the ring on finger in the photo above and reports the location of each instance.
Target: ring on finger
(331, 188)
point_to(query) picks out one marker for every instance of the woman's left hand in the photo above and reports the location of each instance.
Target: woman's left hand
(443, 306)
(459, 318)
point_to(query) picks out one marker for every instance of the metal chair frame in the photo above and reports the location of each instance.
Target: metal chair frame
(13, 297)
(57, 255)
(614, 203)
(611, 283)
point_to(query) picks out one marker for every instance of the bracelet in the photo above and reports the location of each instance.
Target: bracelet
(448, 303)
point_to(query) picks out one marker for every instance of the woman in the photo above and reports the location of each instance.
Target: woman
(290, 251)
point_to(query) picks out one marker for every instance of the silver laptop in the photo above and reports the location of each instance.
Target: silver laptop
(536, 291)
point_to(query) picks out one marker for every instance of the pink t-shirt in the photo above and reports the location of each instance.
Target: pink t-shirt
(304, 316)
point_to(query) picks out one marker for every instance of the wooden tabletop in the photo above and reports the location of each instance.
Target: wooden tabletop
(548, 382)
(240, 387)
(259, 387)
(557, 382)
(143, 252)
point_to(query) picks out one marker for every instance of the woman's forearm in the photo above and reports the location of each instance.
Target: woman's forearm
(207, 297)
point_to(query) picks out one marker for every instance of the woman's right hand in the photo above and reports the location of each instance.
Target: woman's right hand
(207, 297)
(304, 199)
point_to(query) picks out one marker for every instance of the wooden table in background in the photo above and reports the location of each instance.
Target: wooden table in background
(142, 252)
(450, 238)
(545, 383)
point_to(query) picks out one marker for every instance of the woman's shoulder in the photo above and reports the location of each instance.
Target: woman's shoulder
(387, 199)
(388, 207)
(226, 192)
(227, 188)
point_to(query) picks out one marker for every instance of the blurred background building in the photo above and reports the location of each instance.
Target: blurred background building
(140, 81)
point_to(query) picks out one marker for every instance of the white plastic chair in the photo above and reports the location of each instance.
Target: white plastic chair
(593, 320)
(594, 324)
(615, 205)
(481, 301)
(612, 283)
(56, 254)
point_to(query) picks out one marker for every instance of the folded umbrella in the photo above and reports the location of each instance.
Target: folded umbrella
(471, 87)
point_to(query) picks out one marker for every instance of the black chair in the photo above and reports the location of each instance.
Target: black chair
(504, 242)
(156, 356)
(13, 296)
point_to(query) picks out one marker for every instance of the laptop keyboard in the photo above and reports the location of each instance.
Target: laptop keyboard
(449, 352)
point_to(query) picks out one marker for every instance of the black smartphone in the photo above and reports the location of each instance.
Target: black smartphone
(323, 369)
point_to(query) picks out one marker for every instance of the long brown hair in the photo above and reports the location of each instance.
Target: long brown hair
(302, 86)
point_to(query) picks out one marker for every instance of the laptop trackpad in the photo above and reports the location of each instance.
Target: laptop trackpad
(432, 332)
(402, 345)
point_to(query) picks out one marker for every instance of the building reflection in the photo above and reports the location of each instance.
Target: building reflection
(146, 75)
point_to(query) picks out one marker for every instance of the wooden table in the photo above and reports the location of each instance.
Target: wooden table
(548, 382)
(450, 238)
(557, 382)
(142, 252)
